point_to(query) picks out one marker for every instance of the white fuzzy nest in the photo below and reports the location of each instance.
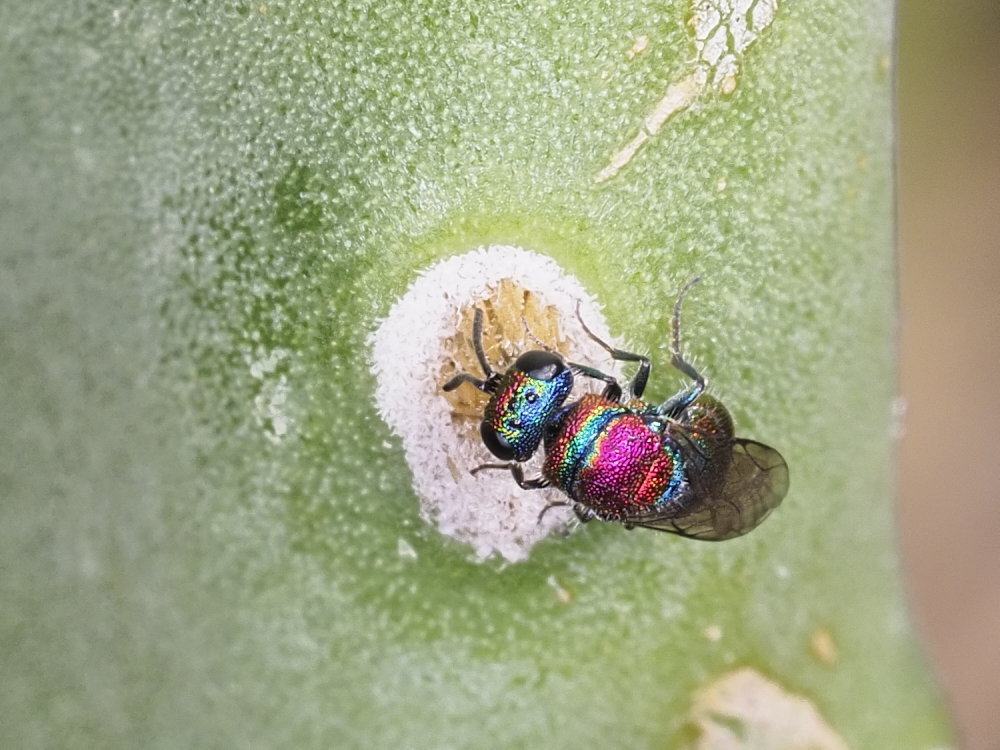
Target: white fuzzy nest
(487, 511)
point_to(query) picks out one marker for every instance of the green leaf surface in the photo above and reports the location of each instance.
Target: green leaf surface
(206, 209)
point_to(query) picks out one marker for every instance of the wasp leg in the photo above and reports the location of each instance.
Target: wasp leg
(638, 384)
(550, 506)
(586, 514)
(517, 472)
(612, 391)
(676, 404)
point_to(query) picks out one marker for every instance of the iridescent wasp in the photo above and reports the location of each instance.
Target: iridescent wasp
(675, 467)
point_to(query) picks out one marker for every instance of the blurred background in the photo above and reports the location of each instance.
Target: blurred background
(949, 238)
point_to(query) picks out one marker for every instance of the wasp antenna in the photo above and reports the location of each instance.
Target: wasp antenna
(484, 385)
(533, 337)
(601, 342)
(676, 321)
(477, 343)
(677, 359)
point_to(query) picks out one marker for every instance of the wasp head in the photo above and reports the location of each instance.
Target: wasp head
(526, 397)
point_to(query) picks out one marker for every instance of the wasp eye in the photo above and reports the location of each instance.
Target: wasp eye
(540, 365)
(495, 442)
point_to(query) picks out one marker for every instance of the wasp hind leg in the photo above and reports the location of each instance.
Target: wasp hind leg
(586, 514)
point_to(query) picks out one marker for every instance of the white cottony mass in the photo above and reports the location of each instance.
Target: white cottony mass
(414, 354)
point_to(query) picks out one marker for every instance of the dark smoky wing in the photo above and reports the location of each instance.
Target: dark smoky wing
(755, 484)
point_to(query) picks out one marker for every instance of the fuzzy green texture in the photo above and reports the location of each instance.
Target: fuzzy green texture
(206, 207)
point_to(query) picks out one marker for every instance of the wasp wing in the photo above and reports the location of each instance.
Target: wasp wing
(717, 508)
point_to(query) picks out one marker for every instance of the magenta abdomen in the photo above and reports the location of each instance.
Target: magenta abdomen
(605, 456)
